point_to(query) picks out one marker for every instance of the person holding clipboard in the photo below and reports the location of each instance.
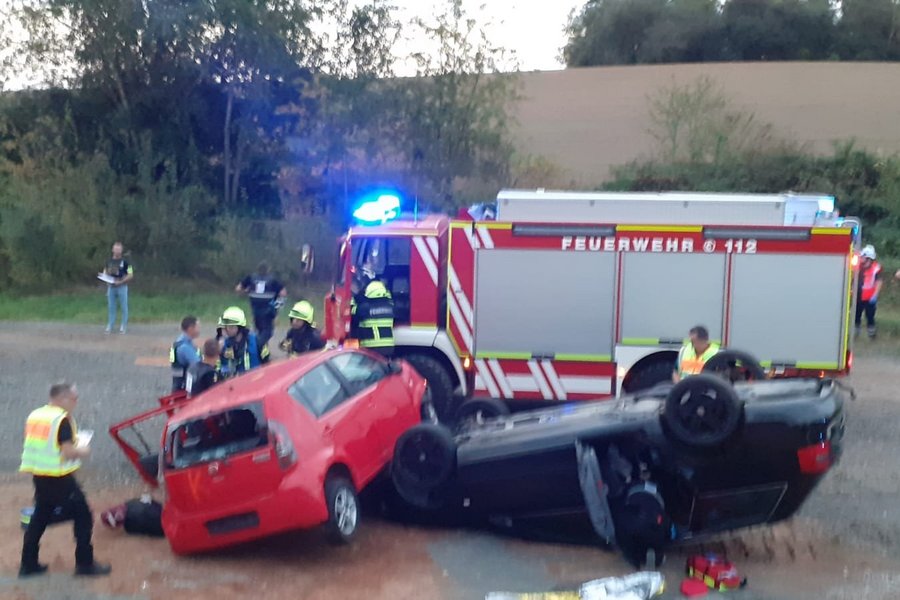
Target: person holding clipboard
(116, 275)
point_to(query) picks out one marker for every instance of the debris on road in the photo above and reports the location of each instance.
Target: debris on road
(637, 586)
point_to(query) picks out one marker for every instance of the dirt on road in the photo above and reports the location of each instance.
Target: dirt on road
(843, 545)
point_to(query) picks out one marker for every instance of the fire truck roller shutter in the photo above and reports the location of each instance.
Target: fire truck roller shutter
(544, 302)
(664, 295)
(789, 308)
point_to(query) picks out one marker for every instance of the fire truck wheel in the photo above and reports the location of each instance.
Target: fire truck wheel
(475, 411)
(439, 382)
(735, 366)
(648, 375)
(424, 460)
(702, 411)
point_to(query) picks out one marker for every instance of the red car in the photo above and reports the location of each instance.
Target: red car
(284, 447)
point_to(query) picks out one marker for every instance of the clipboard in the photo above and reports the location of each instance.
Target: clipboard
(83, 438)
(106, 278)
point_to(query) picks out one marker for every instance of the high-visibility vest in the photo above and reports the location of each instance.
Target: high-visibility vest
(41, 454)
(179, 371)
(867, 286)
(691, 364)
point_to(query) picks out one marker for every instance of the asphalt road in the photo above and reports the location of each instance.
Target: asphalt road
(843, 544)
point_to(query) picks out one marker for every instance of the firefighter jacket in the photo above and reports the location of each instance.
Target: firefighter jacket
(303, 340)
(691, 364)
(241, 353)
(41, 454)
(372, 321)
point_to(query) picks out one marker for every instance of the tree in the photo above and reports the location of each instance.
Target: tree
(456, 112)
(869, 30)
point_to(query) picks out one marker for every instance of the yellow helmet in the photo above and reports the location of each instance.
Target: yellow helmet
(302, 310)
(376, 289)
(233, 316)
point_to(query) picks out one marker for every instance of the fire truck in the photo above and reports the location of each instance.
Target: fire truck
(562, 296)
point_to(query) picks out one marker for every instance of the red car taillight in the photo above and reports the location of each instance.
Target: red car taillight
(284, 447)
(815, 459)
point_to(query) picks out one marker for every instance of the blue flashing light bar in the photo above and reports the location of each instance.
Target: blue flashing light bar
(377, 209)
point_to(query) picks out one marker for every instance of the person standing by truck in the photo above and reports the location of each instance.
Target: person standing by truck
(51, 454)
(303, 335)
(266, 295)
(372, 316)
(870, 283)
(121, 272)
(694, 354)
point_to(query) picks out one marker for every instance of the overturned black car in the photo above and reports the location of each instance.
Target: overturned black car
(670, 464)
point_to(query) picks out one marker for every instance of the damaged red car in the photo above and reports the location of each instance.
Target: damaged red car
(284, 447)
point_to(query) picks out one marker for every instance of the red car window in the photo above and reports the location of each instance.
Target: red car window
(218, 436)
(319, 391)
(358, 370)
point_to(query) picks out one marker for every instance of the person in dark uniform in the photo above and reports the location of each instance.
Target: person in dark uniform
(203, 375)
(241, 350)
(303, 335)
(51, 454)
(372, 317)
(266, 297)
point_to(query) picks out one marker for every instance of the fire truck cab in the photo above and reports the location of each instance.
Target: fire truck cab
(585, 295)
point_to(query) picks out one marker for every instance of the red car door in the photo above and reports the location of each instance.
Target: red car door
(345, 420)
(220, 460)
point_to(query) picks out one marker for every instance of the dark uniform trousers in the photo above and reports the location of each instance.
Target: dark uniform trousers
(64, 493)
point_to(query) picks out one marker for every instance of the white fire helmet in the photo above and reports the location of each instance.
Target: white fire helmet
(868, 252)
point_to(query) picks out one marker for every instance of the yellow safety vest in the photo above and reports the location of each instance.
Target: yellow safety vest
(691, 364)
(41, 454)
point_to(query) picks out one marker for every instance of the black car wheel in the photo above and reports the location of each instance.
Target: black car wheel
(475, 411)
(702, 410)
(343, 509)
(424, 460)
(735, 365)
(439, 382)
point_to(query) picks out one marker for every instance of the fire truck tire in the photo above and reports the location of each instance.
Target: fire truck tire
(735, 365)
(478, 409)
(702, 411)
(649, 375)
(424, 461)
(439, 382)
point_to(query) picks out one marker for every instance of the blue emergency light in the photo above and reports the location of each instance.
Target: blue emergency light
(377, 209)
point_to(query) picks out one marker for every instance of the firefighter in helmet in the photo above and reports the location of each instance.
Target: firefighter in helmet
(694, 354)
(870, 283)
(303, 335)
(241, 349)
(372, 315)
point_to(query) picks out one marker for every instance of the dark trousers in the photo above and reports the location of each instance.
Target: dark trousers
(265, 326)
(65, 493)
(869, 309)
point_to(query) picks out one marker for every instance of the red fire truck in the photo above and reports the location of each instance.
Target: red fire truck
(570, 296)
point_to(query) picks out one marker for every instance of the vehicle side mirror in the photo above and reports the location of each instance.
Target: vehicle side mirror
(307, 259)
(394, 367)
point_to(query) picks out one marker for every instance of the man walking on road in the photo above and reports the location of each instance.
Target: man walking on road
(694, 354)
(183, 353)
(121, 272)
(266, 295)
(51, 454)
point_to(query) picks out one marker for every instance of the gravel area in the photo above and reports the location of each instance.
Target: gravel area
(842, 545)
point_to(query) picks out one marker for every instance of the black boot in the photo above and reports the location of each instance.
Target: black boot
(93, 570)
(32, 571)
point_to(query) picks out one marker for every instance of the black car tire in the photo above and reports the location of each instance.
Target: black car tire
(424, 461)
(343, 509)
(736, 365)
(439, 382)
(702, 411)
(478, 409)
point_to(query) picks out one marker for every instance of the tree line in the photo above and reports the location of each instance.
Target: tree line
(622, 32)
(178, 125)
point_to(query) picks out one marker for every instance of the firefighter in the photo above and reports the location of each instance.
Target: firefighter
(303, 335)
(372, 316)
(51, 455)
(266, 297)
(694, 354)
(241, 349)
(183, 353)
(870, 283)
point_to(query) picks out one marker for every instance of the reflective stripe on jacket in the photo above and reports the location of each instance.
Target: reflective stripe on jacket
(373, 322)
(41, 454)
(691, 364)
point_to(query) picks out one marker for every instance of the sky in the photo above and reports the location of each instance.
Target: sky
(531, 29)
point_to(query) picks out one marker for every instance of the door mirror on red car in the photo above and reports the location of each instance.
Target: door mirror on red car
(395, 367)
